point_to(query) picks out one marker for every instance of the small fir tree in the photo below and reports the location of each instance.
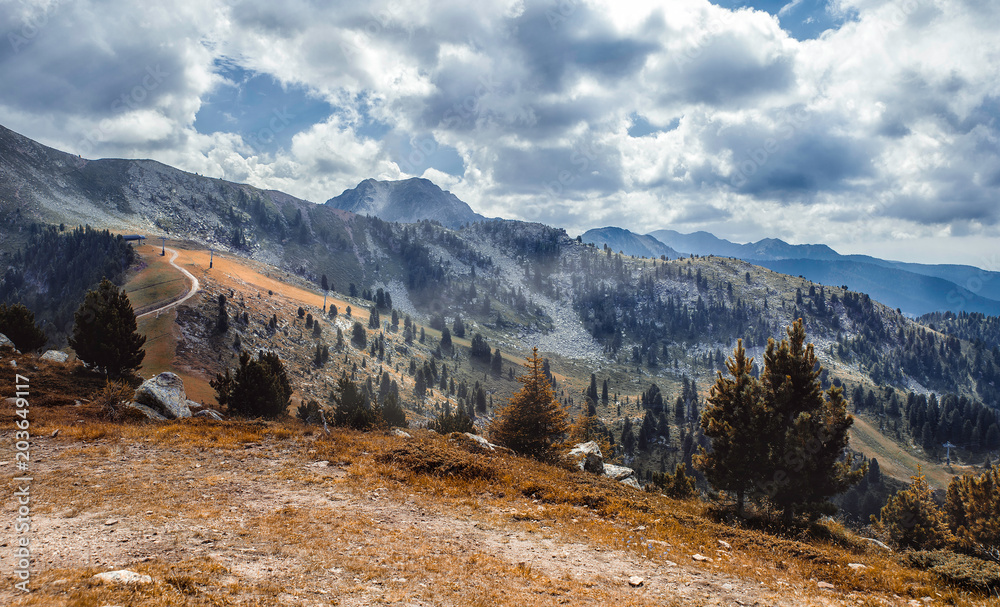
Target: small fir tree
(532, 421)
(104, 332)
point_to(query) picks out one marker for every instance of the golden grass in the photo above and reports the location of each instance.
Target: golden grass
(157, 282)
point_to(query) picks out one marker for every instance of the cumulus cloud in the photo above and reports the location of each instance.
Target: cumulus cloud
(681, 114)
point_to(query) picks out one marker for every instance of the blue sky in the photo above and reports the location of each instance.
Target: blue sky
(868, 125)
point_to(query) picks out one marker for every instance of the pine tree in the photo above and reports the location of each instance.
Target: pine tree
(807, 432)
(222, 323)
(104, 332)
(973, 509)
(17, 322)
(496, 365)
(911, 519)
(733, 421)
(445, 339)
(532, 420)
(258, 388)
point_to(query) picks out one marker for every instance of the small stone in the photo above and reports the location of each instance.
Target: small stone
(725, 544)
(401, 433)
(320, 464)
(123, 576)
(701, 558)
(636, 581)
(727, 587)
(55, 433)
(670, 564)
(111, 521)
(857, 566)
(825, 585)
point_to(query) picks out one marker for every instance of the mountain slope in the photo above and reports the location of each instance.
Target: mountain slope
(914, 288)
(629, 243)
(407, 201)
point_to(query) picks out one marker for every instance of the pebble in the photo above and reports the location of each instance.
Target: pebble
(635, 581)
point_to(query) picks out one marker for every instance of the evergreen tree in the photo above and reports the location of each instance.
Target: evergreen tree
(358, 336)
(445, 339)
(604, 393)
(222, 323)
(17, 322)
(449, 422)
(532, 420)
(458, 328)
(973, 509)
(496, 365)
(733, 421)
(258, 388)
(104, 332)
(352, 407)
(806, 432)
(325, 283)
(911, 519)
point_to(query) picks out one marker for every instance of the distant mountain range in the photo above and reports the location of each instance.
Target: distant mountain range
(407, 201)
(914, 288)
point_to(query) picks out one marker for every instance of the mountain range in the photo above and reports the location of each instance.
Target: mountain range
(914, 288)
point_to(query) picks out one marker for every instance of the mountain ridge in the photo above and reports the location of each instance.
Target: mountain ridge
(406, 201)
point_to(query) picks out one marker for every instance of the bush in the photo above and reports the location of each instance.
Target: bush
(113, 400)
(440, 459)
(309, 412)
(450, 422)
(958, 569)
(677, 485)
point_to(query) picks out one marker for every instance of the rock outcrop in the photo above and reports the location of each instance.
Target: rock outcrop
(587, 457)
(164, 393)
(55, 356)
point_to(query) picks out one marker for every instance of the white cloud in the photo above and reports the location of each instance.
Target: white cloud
(894, 111)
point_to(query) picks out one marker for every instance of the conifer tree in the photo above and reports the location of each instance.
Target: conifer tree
(807, 432)
(496, 365)
(733, 420)
(911, 519)
(104, 332)
(258, 388)
(973, 509)
(17, 322)
(532, 420)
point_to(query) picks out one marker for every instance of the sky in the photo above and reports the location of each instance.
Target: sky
(868, 125)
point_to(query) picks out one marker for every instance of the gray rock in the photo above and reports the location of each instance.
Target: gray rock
(148, 412)
(123, 576)
(619, 473)
(165, 394)
(636, 581)
(55, 356)
(631, 482)
(210, 414)
(193, 405)
(5, 342)
(401, 433)
(588, 457)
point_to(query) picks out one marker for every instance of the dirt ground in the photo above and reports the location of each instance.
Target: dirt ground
(262, 521)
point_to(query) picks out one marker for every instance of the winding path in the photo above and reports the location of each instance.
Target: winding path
(195, 285)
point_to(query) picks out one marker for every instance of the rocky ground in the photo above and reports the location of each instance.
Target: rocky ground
(253, 518)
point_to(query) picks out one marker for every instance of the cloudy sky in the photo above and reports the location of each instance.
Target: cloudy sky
(869, 125)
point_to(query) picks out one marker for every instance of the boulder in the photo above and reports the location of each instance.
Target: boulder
(619, 473)
(55, 356)
(193, 405)
(5, 342)
(471, 441)
(210, 414)
(165, 394)
(123, 576)
(148, 412)
(636, 581)
(631, 482)
(588, 457)
(401, 433)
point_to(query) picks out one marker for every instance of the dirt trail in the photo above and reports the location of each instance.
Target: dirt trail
(195, 285)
